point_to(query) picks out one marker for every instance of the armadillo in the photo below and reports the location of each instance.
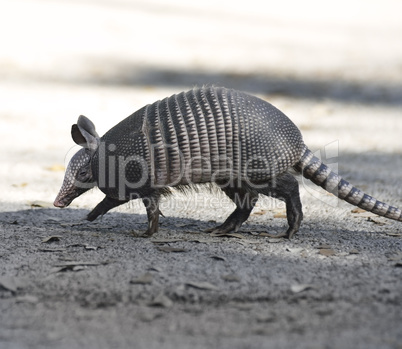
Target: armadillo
(237, 141)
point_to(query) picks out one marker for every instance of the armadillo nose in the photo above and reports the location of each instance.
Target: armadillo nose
(58, 203)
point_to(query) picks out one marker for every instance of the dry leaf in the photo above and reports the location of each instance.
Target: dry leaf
(157, 269)
(397, 235)
(231, 278)
(265, 234)
(324, 246)
(21, 185)
(202, 285)
(295, 249)
(171, 249)
(27, 299)
(376, 221)
(218, 258)
(251, 232)
(274, 240)
(280, 215)
(396, 257)
(364, 214)
(51, 238)
(229, 235)
(162, 301)
(165, 241)
(300, 288)
(8, 283)
(143, 279)
(11, 283)
(183, 225)
(42, 204)
(74, 266)
(304, 254)
(56, 168)
(52, 218)
(59, 270)
(90, 248)
(261, 318)
(259, 213)
(327, 252)
(78, 268)
(358, 210)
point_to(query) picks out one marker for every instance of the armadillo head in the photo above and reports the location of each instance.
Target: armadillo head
(79, 177)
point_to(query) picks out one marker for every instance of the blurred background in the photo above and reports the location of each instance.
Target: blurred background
(335, 68)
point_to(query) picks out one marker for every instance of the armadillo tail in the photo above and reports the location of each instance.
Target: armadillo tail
(320, 174)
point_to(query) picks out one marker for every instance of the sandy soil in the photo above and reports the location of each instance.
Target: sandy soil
(334, 69)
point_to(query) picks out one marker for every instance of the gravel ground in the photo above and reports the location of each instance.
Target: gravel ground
(66, 283)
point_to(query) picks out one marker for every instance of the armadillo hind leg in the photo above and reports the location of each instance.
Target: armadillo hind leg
(152, 206)
(245, 201)
(104, 206)
(285, 187)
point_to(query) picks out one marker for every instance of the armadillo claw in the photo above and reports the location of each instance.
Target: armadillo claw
(152, 229)
(148, 233)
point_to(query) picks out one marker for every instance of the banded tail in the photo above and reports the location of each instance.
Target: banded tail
(320, 174)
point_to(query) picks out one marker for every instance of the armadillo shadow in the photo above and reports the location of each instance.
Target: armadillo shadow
(49, 221)
(70, 224)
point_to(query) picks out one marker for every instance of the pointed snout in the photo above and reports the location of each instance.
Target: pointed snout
(59, 203)
(62, 200)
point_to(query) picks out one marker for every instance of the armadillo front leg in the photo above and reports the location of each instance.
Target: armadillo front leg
(152, 206)
(105, 205)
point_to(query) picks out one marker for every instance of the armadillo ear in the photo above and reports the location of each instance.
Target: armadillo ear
(84, 133)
